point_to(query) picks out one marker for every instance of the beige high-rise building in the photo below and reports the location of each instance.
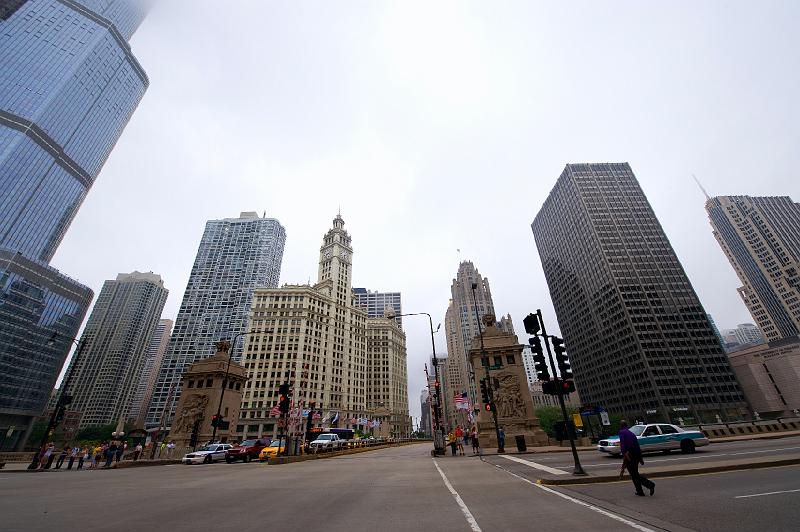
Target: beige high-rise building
(314, 338)
(761, 238)
(461, 327)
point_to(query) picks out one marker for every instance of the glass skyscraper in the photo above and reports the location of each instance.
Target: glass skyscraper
(638, 338)
(236, 256)
(68, 86)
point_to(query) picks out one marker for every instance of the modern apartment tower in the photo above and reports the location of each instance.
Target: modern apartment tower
(377, 304)
(638, 338)
(147, 379)
(69, 83)
(104, 373)
(236, 256)
(761, 238)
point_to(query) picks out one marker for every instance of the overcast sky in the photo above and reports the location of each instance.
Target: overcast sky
(439, 126)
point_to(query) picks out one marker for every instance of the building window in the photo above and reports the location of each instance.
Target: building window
(510, 359)
(209, 383)
(498, 361)
(190, 385)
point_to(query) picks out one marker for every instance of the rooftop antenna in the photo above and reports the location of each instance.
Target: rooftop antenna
(701, 187)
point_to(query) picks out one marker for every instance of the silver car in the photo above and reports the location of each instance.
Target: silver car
(658, 437)
(212, 452)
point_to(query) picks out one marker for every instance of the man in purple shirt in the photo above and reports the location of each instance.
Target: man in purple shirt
(632, 457)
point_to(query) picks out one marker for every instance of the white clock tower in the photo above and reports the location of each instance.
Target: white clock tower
(335, 262)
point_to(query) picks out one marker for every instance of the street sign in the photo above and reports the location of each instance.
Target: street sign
(577, 420)
(604, 419)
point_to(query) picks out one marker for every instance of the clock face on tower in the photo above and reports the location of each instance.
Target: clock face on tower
(328, 253)
(344, 255)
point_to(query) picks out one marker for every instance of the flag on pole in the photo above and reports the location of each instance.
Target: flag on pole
(275, 412)
(462, 402)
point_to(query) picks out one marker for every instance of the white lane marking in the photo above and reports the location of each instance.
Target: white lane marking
(765, 451)
(762, 494)
(592, 507)
(545, 468)
(467, 514)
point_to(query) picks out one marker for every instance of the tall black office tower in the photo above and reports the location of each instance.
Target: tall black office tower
(69, 83)
(638, 337)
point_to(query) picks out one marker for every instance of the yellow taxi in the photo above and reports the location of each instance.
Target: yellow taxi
(272, 450)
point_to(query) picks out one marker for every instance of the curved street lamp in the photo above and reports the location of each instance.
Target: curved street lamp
(438, 435)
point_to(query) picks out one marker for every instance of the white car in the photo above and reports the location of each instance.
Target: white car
(205, 455)
(658, 437)
(325, 442)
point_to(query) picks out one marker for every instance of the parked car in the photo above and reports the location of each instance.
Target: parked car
(658, 437)
(245, 451)
(207, 454)
(325, 442)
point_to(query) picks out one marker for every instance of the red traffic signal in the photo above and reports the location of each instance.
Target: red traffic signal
(489, 407)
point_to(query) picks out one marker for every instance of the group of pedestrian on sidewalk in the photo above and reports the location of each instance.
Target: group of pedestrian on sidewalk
(91, 455)
(458, 438)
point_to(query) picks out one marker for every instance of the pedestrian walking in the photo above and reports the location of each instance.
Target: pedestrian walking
(49, 455)
(61, 457)
(111, 450)
(475, 444)
(137, 451)
(459, 434)
(170, 447)
(120, 451)
(72, 456)
(82, 457)
(632, 459)
(97, 453)
(501, 438)
(451, 441)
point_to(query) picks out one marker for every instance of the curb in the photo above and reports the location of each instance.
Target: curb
(118, 465)
(673, 473)
(320, 456)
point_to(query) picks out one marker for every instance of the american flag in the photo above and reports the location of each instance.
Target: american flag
(462, 402)
(275, 412)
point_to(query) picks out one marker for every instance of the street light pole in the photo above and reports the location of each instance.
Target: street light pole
(63, 399)
(438, 437)
(485, 363)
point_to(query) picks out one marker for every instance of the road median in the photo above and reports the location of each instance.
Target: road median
(676, 470)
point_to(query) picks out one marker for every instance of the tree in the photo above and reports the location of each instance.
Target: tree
(549, 416)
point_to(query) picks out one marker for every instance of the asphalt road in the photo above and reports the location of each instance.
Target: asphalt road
(393, 489)
(759, 499)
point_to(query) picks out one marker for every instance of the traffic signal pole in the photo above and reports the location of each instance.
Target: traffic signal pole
(485, 363)
(577, 470)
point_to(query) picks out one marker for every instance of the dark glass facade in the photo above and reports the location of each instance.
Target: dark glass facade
(68, 86)
(637, 335)
(40, 310)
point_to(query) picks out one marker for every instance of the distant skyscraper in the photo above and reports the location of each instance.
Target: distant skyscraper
(638, 338)
(236, 256)
(68, 86)
(378, 303)
(761, 238)
(745, 334)
(425, 424)
(104, 374)
(147, 380)
(461, 327)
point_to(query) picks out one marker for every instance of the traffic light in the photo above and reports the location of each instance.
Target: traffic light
(283, 389)
(531, 323)
(489, 407)
(485, 392)
(283, 404)
(548, 388)
(567, 387)
(65, 399)
(215, 419)
(539, 362)
(564, 367)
